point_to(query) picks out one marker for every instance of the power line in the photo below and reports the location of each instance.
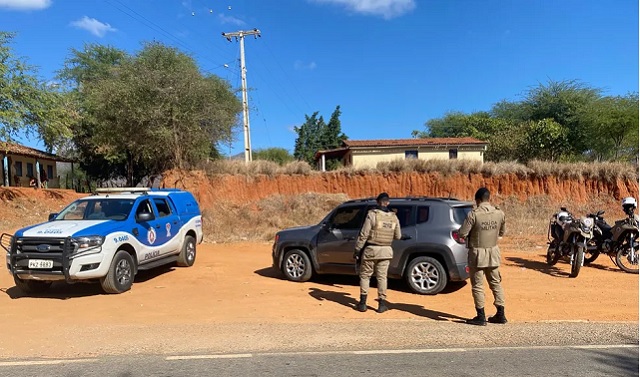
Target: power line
(287, 76)
(155, 27)
(239, 36)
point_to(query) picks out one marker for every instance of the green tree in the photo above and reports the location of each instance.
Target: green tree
(315, 135)
(546, 140)
(27, 104)
(565, 102)
(613, 127)
(152, 111)
(279, 155)
(308, 141)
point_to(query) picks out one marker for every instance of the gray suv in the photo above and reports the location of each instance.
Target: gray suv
(429, 255)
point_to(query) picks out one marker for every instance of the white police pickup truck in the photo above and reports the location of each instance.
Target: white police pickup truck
(108, 236)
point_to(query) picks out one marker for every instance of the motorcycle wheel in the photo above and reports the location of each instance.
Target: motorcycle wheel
(625, 262)
(576, 264)
(590, 256)
(552, 255)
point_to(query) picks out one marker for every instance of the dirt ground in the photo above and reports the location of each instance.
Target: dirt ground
(234, 283)
(232, 301)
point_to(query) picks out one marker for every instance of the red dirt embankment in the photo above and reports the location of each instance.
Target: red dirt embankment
(243, 189)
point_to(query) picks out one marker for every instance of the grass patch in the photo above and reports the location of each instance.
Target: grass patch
(254, 168)
(260, 221)
(605, 171)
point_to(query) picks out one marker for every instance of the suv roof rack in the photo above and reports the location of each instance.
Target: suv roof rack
(417, 198)
(122, 190)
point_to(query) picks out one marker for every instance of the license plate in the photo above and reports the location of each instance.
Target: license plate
(40, 263)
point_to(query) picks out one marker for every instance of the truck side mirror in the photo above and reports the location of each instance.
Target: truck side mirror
(144, 217)
(52, 216)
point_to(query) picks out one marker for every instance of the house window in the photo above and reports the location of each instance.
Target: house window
(49, 171)
(18, 168)
(410, 154)
(453, 154)
(30, 170)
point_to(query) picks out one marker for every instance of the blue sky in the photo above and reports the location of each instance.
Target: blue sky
(390, 64)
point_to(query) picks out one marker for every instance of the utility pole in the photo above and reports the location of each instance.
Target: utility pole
(239, 35)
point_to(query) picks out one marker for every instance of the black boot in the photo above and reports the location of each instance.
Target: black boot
(382, 306)
(362, 305)
(499, 317)
(479, 319)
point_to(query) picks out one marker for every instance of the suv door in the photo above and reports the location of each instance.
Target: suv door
(169, 226)
(407, 214)
(337, 239)
(146, 232)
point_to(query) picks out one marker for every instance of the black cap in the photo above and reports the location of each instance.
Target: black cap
(482, 194)
(382, 196)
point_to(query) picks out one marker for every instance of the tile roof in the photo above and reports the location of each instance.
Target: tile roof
(22, 150)
(414, 142)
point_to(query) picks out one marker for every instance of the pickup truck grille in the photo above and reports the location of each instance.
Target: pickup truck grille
(40, 245)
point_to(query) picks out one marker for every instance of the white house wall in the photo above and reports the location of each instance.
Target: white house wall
(23, 179)
(370, 158)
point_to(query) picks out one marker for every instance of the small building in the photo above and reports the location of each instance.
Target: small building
(21, 163)
(367, 153)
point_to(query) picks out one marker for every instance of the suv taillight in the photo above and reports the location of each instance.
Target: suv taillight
(456, 237)
(277, 237)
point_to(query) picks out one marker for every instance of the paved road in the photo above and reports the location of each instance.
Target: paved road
(588, 361)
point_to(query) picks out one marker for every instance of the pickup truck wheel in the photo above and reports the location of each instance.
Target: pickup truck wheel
(426, 276)
(296, 266)
(120, 276)
(187, 256)
(31, 286)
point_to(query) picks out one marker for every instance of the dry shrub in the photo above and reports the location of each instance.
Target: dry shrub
(606, 171)
(260, 221)
(254, 168)
(296, 168)
(449, 167)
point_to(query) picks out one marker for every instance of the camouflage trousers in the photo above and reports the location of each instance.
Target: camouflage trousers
(367, 268)
(492, 274)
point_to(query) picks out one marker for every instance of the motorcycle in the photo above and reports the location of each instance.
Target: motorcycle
(619, 242)
(568, 238)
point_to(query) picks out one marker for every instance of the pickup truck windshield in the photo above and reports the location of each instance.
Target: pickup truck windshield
(97, 209)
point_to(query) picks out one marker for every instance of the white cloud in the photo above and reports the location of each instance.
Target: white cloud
(93, 26)
(300, 65)
(230, 20)
(384, 8)
(25, 4)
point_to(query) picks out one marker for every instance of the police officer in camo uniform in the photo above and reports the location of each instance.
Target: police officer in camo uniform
(373, 250)
(482, 228)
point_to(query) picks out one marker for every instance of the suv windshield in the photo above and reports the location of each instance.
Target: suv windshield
(460, 213)
(97, 209)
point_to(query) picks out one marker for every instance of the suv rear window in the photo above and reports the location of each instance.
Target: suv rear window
(404, 214)
(460, 213)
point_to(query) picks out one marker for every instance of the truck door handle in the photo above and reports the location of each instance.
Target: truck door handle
(175, 222)
(158, 226)
(350, 238)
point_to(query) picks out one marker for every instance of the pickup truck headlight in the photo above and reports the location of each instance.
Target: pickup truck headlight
(88, 243)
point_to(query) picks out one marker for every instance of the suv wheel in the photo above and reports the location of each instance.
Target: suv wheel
(187, 255)
(31, 286)
(426, 276)
(120, 276)
(296, 265)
